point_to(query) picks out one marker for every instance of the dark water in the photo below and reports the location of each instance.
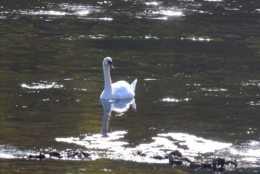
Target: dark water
(197, 65)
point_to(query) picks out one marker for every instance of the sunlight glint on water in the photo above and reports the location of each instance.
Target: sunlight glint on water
(161, 145)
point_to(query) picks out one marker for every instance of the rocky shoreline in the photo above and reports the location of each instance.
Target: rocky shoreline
(175, 158)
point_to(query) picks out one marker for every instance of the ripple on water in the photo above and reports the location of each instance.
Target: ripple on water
(113, 147)
(254, 103)
(68, 79)
(65, 9)
(162, 144)
(251, 82)
(174, 99)
(214, 89)
(200, 39)
(247, 154)
(162, 14)
(153, 3)
(42, 85)
(156, 10)
(43, 12)
(151, 37)
(97, 141)
(148, 79)
(71, 38)
(214, 0)
(11, 152)
(97, 36)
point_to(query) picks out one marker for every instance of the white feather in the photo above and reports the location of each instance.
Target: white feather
(117, 90)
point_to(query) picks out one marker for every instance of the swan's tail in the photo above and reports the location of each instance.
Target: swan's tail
(134, 84)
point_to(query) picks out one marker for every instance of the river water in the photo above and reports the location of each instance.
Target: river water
(197, 66)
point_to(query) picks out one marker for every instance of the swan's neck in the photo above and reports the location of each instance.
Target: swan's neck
(107, 79)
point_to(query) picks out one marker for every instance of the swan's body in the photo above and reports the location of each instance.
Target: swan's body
(118, 90)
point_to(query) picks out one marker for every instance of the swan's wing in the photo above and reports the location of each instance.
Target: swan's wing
(134, 84)
(122, 89)
(121, 86)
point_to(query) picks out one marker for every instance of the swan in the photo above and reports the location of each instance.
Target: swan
(117, 90)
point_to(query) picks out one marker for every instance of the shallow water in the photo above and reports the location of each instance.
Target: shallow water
(198, 83)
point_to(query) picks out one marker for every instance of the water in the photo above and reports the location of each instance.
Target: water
(198, 84)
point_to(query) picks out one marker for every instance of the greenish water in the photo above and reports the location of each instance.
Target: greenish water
(197, 65)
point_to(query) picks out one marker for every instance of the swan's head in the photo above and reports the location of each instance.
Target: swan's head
(108, 62)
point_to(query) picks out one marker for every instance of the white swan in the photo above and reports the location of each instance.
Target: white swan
(118, 90)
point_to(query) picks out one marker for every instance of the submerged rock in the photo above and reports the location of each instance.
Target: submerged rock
(175, 153)
(173, 161)
(69, 154)
(140, 153)
(40, 156)
(55, 154)
(221, 162)
(158, 157)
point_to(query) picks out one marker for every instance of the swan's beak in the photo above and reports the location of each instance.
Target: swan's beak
(111, 66)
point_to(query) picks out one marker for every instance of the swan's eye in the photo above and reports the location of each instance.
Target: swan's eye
(110, 63)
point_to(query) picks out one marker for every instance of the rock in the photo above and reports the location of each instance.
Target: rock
(172, 161)
(55, 154)
(40, 157)
(195, 165)
(175, 153)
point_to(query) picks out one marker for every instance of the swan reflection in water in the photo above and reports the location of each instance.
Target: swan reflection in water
(118, 106)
